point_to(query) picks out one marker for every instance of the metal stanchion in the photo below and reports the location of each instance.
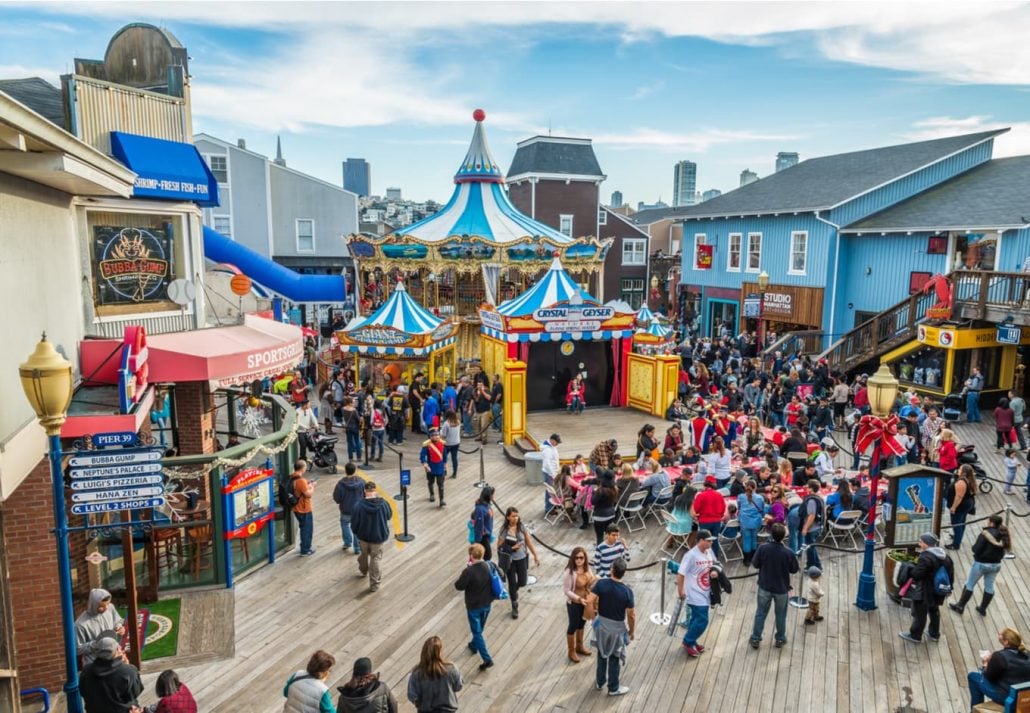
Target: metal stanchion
(798, 600)
(482, 471)
(403, 495)
(660, 617)
(1010, 555)
(405, 482)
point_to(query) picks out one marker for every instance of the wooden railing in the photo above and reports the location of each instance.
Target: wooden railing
(992, 296)
(791, 343)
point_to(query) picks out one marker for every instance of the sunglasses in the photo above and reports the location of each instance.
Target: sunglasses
(580, 557)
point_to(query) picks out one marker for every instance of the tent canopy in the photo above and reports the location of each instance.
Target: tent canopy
(401, 326)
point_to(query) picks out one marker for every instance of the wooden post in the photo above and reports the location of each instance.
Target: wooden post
(132, 615)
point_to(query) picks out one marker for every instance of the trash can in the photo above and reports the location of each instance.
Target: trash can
(534, 467)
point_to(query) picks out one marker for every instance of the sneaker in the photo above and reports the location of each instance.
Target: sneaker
(931, 637)
(819, 618)
(908, 637)
(485, 665)
(780, 643)
(443, 504)
(373, 588)
(809, 622)
(700, 648)
(599, 686)
(308, 553)
(754, 643)
(692, 651)
(432, 498)
(620, 691)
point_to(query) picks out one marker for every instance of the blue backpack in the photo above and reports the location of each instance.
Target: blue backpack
(941, 582)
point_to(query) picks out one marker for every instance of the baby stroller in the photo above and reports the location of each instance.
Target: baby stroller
(953, 406)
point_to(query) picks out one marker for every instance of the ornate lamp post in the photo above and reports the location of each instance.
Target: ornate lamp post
(877, 430)
(763, 282)
(46, 378)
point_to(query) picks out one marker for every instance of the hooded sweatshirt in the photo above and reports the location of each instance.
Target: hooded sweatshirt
(924, 571)
(91, 623)
(110, 686)
(349, 491)
(370, 696)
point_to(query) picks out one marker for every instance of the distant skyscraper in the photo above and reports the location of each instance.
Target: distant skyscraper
(357, 176)
(393, 194)
(684, 183)
(786, 159)
(747, 176)
(616, 199)
(710, 194)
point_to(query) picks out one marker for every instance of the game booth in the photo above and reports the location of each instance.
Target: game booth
(398, 341)
(558, 330)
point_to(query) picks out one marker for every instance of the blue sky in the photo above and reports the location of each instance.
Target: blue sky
(726, 85)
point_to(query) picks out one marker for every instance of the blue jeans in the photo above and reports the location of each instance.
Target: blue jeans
(349, 540)
(466, 422)
(973, 407)
(377, 443)
(812, 553)
(958, 520)
(749, 540)
(776, 418)
(765, 599)
(452, 451)
(608, 672)
(306, 521)
(794, 538)
(715, 528)
(576, 406)
(697, 622)
(495, 409)
(987, 570)
(477, 621)
(980, 687)
(353, 445)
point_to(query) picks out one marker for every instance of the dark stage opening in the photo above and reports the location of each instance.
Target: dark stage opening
(548, 373)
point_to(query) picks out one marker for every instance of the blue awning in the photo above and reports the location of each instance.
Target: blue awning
(166, 169)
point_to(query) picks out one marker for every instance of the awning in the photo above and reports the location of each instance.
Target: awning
(166, 169)
(226, 355)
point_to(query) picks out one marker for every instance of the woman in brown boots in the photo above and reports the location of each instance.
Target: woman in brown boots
(577, 583)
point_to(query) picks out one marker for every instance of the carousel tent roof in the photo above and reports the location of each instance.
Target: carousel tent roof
(555, 286)
(479, 206)
(645, 315)
(402, 313)
(656, 329)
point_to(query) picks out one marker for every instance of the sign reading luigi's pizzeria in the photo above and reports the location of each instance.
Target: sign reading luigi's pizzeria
(131, 265)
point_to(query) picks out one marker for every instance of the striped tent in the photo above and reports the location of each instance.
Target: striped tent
(400, 315)
(556, 287)
(645, 315)
(657, 329)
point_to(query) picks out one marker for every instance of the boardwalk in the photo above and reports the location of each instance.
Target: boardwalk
(853, 661)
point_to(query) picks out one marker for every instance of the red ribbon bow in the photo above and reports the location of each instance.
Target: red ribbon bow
(873, 428)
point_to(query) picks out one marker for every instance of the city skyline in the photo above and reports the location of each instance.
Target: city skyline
(334, 81)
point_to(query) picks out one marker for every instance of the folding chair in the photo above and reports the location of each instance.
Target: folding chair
(845, 526)
(558, 511)
(633, 508)
(729, 538)
(663, 498)
(680, 541)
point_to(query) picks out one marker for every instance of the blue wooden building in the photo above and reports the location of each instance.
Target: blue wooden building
(843, 237)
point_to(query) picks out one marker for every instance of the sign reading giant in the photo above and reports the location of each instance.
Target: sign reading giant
(131, 265)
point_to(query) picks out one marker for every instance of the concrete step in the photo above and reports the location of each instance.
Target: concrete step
(515, 455)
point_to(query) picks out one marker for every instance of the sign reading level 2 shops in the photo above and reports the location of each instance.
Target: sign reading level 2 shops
(117, 479)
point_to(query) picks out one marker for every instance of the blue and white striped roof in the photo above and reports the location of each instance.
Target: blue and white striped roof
(645, 315)
(604, 334)
(479, 206)
(554, 287)
(400, 351)
(401, 312)
(656, 329)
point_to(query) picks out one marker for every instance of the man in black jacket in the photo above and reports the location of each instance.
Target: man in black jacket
(925, 601)
(110, 684)
(775, 563)
(349, 491)
(475, 581)
(370, 521)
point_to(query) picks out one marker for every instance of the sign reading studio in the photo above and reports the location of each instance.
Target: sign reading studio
(131, 265)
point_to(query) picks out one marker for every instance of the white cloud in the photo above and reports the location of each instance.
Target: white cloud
(1015, 142)
(18, 71)
(696, 142)
(646, 90)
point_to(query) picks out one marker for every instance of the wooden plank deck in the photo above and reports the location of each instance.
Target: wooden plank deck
(852, 661)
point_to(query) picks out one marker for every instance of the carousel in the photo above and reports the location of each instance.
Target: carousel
(559, 331)
(477, 250)
(655, 338)
(399, 341)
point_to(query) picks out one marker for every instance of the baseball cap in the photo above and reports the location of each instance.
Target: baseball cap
(107, 645)
(930, 539)
(710, 480)
(706, 535)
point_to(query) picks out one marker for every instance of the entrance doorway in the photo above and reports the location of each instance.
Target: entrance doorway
(722, 313)
(549, 371)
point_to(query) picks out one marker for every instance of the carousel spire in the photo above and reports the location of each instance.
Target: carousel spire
(479, 165)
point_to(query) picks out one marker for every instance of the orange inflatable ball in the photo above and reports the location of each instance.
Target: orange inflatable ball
(240, 285)
(253, 402)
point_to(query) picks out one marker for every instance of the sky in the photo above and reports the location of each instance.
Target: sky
(724, 84)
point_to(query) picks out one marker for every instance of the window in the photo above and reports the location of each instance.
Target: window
(219, 167)
(798, 253)
(733, 258)
(632, 291)
(305, 235)
(602, 216)
(565, 224)
(674, 246)
(634, 251)
(754, 252)
(222, 224)
(699, 240)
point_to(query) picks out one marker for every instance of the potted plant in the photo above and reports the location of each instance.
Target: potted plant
(895, 557)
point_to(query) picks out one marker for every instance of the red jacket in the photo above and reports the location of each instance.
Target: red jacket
(582, 393)
(709, 506)
(948, 456)
(179, 702)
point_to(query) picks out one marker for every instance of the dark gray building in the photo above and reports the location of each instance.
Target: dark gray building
(357, 177)
(786, 159)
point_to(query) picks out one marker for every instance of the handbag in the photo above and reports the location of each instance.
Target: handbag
(590, 607)
(905, 588)
(496, 583)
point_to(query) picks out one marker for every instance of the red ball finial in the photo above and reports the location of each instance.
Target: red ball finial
(479, 115)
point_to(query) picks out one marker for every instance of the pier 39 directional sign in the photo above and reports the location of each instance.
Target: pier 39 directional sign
(116, 479)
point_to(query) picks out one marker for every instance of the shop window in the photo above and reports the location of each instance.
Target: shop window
(798, 253)
(133, 257)
(925, 368)
(222, 224)
(632, 291)
(674, 246)
(305, 235)
(754, 252)
(565, 224)
(975, 251)
(602, 216)
(634, 251)
(733, 259)
(219, 166)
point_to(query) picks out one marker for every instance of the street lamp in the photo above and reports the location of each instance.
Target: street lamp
(763, 282)
(46, 378)
(883, 389)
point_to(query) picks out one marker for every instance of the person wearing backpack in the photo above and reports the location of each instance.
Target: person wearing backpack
(931, 585)
(298, 498)
(813, 517)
